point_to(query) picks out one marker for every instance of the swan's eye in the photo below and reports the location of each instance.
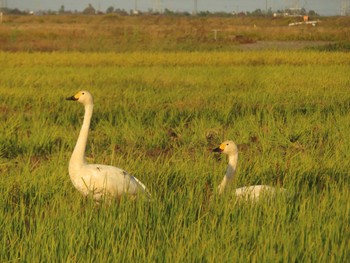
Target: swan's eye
(227, 144)
(83, 93)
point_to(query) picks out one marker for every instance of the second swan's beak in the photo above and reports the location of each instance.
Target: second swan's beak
(72, 98)
(218, 150)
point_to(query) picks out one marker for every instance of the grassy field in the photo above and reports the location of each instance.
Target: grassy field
(158, 115)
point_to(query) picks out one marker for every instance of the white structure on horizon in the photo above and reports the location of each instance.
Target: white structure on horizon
(345, 8)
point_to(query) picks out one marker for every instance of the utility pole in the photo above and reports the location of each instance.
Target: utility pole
(3, 7)
(157, 6)
(135, 11)
(292, 4)
(344, 8)
(195, 10)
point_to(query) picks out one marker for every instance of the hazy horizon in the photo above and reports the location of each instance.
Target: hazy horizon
(322, 7)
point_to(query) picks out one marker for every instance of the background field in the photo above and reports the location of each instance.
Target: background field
(158, 115)
(114, 33)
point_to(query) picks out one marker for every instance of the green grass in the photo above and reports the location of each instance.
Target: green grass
(158, 115)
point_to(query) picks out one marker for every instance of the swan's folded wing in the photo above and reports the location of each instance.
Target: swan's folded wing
(115, 181)
(253, 192)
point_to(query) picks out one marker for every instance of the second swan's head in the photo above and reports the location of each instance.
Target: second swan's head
(227, 147)
(83, 97)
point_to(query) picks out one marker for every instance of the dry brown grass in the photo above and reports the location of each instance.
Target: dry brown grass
(153, 33)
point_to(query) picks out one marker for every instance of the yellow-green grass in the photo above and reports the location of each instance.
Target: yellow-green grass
(158, 115)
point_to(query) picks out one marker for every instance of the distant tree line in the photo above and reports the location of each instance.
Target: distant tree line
(90, 10)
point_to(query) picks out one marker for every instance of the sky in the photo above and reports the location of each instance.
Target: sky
(322, 7)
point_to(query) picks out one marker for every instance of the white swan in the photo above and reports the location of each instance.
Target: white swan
(101, 181)
(248, 192)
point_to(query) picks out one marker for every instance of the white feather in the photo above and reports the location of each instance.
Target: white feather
(253, 192)
(96, 179)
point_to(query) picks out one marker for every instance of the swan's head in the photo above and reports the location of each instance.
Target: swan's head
(227, 147)
(83, 97)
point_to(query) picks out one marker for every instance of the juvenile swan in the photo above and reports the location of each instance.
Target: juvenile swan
(98, 180)
(248, 192)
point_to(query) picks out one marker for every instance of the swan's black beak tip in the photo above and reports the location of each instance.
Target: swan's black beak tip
(71, 98)
(217, 150)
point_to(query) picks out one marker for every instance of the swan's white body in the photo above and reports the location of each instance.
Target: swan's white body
(252, 192)
(100, 181)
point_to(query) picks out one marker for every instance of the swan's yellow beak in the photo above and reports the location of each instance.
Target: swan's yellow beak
(75, 97)
(220, 149)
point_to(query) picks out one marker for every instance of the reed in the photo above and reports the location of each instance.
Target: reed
(158, 115)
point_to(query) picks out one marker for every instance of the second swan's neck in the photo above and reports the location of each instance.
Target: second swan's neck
(78, 156)
(232, 165)
(230, 172)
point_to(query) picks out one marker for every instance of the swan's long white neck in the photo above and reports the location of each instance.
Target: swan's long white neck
(77, 159)
(232, 166)
(230, 172)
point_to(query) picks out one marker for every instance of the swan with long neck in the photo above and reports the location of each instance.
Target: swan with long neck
(249, 192)
(100, 181)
